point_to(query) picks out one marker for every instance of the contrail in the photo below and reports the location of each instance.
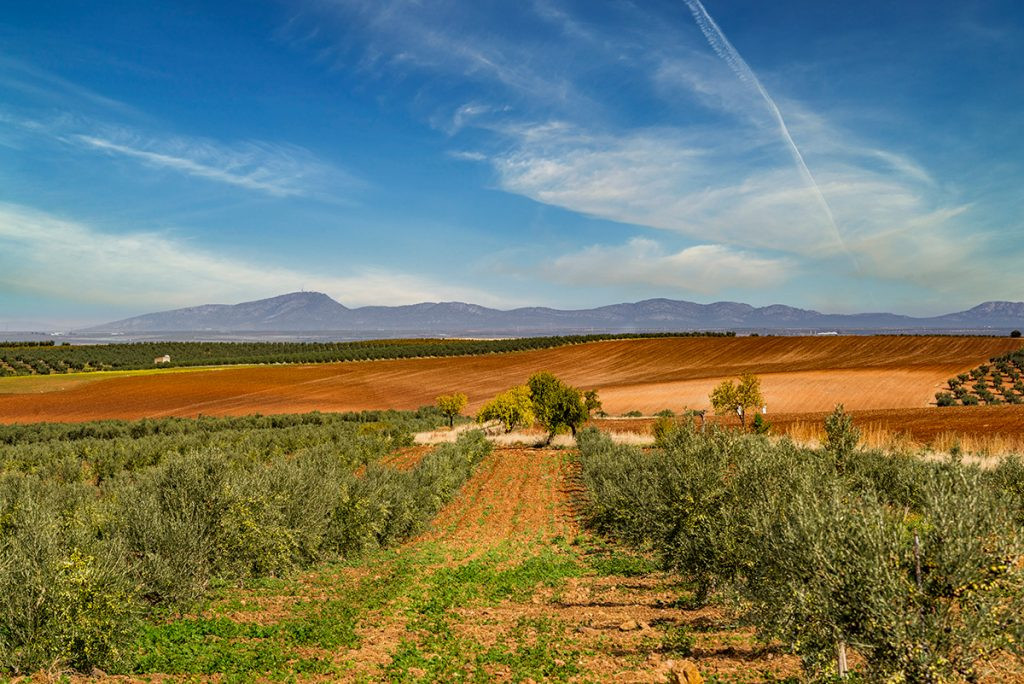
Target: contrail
(724, 49)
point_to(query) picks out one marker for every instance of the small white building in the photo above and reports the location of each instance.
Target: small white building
(166, 358)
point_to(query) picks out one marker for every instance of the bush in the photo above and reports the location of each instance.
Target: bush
(760, 425)
(834, 568)
(65, 598)
(841, 437)
(944, 399)
(662, 429)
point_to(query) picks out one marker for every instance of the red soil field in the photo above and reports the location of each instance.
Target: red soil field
(799, 375)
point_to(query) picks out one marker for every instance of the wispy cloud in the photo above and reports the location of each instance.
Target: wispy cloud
(699, 186)
(451, 39)
(702, 269)
(732, 57)
(45, 86)
(152, 270)
(277, 170)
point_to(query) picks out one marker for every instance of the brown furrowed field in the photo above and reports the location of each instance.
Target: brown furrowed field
(799, 374)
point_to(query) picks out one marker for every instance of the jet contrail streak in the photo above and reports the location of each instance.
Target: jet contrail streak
(724, 49)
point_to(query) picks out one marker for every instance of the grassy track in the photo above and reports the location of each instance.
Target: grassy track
(504, 587)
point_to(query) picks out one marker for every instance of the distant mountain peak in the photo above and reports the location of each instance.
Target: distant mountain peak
(315, 311)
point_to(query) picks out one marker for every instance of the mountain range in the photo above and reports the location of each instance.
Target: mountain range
(314, 311)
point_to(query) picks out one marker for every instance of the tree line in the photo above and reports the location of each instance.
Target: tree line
(44, 359)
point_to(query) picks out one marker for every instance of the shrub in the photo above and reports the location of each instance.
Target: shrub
(760, 425)
(662, 429)
(665, 413)
(841, 437)
(66, 600)
(925, 597)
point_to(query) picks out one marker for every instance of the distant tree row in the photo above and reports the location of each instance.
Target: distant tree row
(1001, 381)
(46, 358)
(26, 343)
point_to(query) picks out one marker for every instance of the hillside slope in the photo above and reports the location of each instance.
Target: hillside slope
(799, 374)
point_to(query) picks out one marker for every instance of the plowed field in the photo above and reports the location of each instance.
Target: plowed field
(799, 375)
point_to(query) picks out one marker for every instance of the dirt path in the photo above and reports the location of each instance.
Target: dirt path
(503, 587)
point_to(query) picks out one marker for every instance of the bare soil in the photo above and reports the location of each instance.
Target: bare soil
(799, 374)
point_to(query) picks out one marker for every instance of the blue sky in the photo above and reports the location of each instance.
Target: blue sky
(830, 155)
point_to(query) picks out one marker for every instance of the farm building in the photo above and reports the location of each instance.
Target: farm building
(166, 358)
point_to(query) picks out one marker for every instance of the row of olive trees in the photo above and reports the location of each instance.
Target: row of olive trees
(543, 399)
(918, 567)
(103, 525)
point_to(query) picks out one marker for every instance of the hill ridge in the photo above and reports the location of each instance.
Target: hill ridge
(315, 311)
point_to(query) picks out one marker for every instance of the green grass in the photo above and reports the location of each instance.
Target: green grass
(534, 649)
(37, 384)
(423, 587)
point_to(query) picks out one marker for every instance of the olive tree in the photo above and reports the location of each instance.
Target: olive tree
(592, 403)
(841, 437)
(556, 404)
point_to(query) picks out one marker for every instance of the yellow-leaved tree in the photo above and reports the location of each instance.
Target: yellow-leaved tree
(731, 397)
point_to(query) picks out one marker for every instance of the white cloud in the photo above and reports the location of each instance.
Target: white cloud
(703, 269)
(50, 256)
(278, 170)
(703, 185)
(272, 169)
(453, 39)
(556, 116)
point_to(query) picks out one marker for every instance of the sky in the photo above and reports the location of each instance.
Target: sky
(830, 155)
